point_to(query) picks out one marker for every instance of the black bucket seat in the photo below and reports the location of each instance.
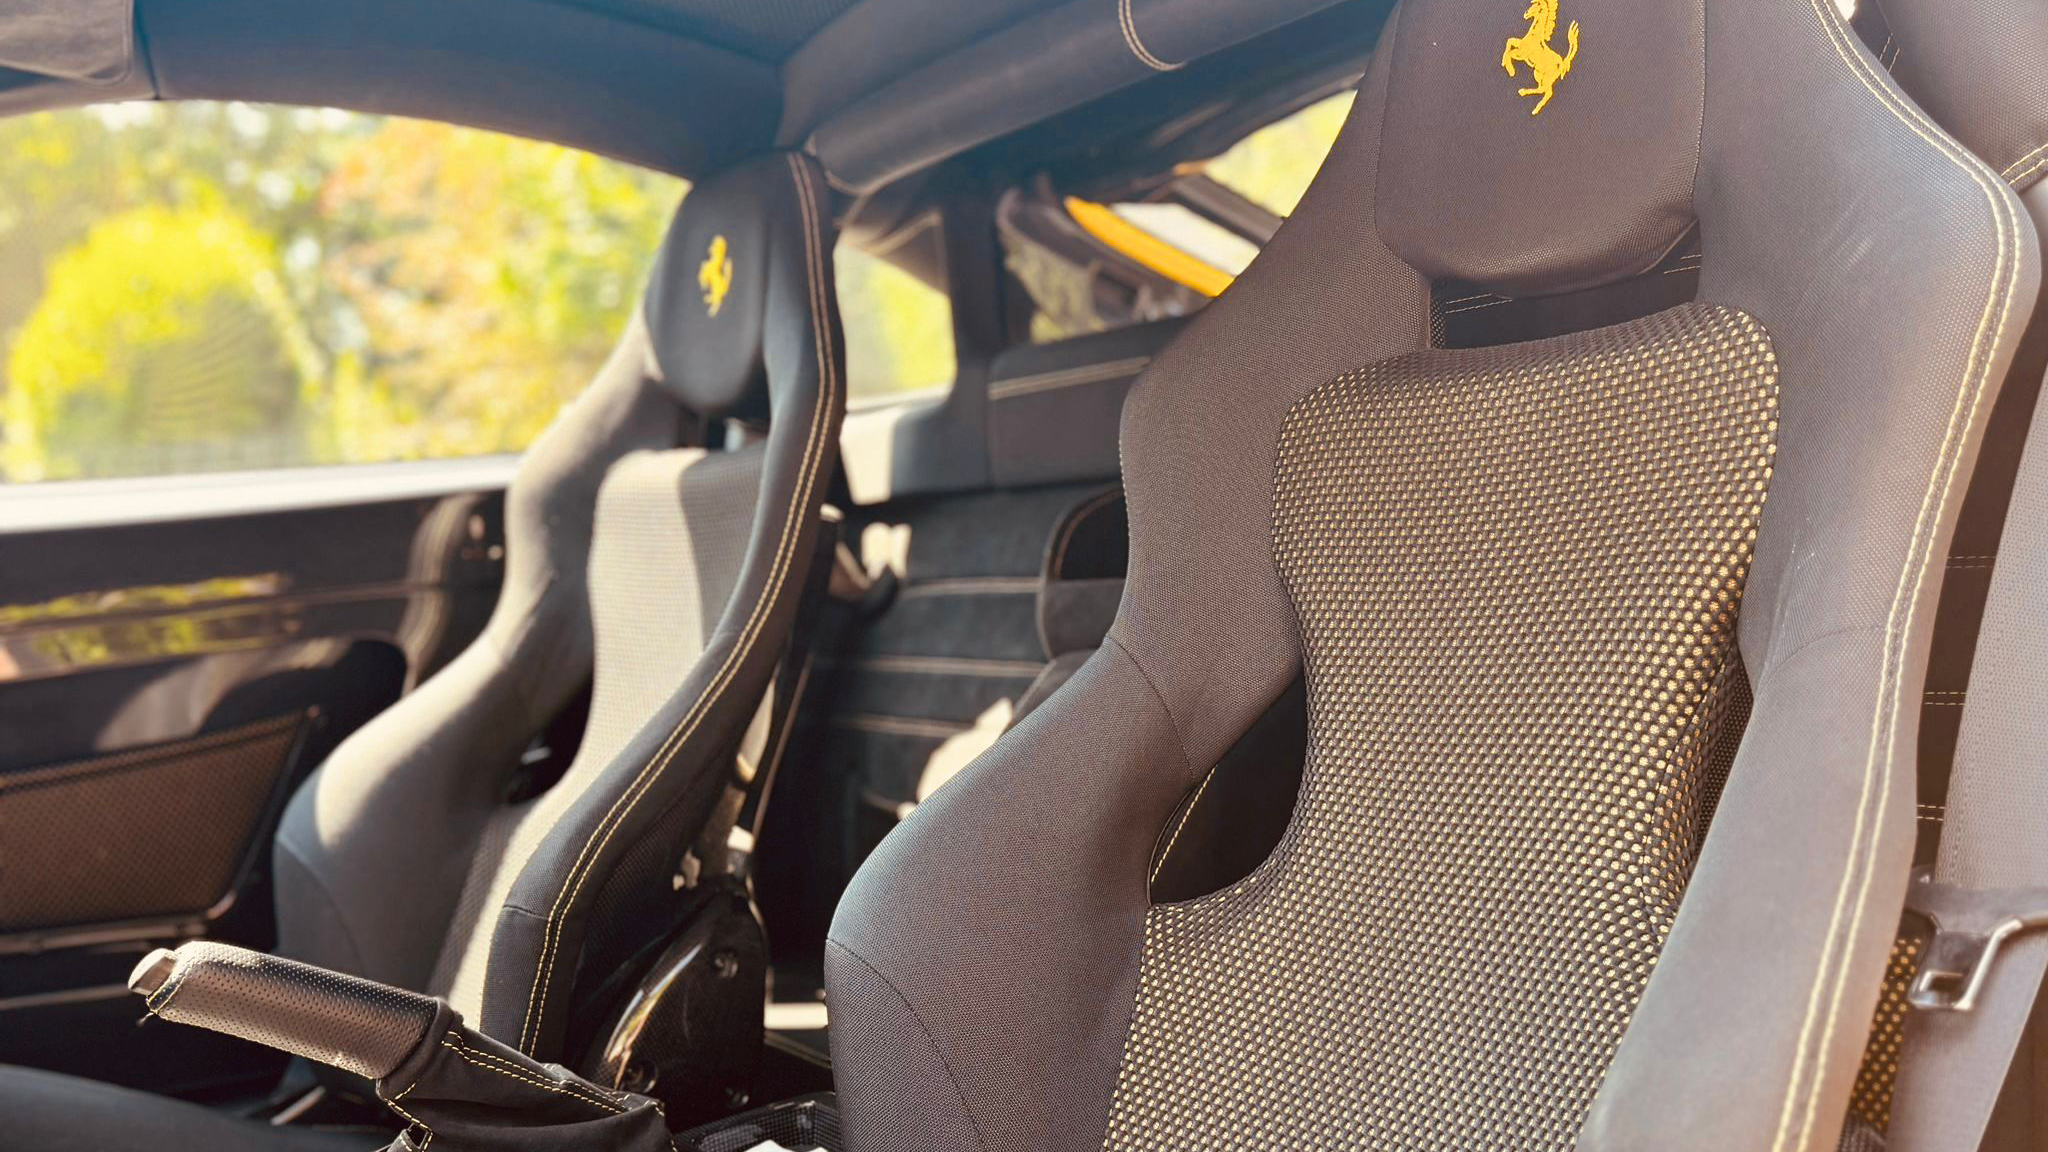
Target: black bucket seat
(666, 578)
(1613, 639)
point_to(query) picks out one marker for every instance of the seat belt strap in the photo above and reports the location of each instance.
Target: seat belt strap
(1988, 894)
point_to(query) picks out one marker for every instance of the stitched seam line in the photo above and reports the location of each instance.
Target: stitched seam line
(1129, 22)
(1860, 864)
(1178, 742)
(1185, 815)
(1068, 378)
(972, 1120)
(158, 1003)
(551, 937)
(525, 1078)
(409, 1117)
(792, 527)
(2027, 165)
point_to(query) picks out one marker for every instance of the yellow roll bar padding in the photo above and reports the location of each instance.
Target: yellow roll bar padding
(1134, 243)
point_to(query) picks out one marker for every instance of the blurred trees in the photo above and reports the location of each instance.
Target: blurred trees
(198, 286)
(899, 330)
(203, 286)
(1273, 166)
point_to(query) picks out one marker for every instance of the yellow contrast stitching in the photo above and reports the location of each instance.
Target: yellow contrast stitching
(1946, 463)
(2026, 165)
(1186, 814)
(813, 450)
(472, 1059)
(409, 1117)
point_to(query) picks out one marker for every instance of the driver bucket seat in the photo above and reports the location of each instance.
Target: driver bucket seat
(1614, 616)
(666, 578)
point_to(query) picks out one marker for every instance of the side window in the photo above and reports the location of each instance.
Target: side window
(1089, 266)
(899, 329)
(1273, 166)
(204, 286)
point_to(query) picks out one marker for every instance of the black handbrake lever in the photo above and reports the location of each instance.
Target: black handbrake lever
(457, 1089)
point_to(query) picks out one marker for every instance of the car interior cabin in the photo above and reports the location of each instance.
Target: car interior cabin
(1023, 575)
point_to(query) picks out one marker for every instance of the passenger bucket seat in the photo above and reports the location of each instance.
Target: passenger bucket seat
(1543, 887)
(666, 578)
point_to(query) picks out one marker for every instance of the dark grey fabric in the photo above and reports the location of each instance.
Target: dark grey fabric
(1237, 815)
(87, 40)
(670, 534)
(770, 29)
(1074, 615)
(1596, 187)
(671, 772)
(1878, 422)
(461, 1091)
(1028, 862)
(1995, 831)
(712, 300)
(45, 1112)
(1053, 408)
(406, 805)
(1055, 676)
(536, 68)
(1008, 914)
(874, 42)
(352, 835)
(1029, 71)
(914, 693)
(1976, 68)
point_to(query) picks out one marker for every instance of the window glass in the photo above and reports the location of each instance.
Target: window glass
(1088, 267)
(899, 329)
(206, 286)
(1273, 166)
(1204, 239)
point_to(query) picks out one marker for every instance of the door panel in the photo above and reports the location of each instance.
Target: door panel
(165, 683)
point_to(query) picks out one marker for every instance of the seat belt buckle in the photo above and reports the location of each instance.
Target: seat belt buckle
(1970, 926)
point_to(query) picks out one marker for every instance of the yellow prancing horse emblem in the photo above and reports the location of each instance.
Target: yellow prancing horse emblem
(1533, 48)
(715, 275)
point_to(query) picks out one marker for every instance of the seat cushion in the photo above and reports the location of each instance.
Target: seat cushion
(48, 1112)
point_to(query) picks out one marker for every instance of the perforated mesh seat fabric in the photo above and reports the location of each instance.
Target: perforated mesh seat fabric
(1511, 734)
(1516, 906)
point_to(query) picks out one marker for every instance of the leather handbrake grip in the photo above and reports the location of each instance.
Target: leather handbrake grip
(356, 1025)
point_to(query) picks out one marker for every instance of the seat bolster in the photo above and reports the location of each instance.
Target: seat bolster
(1993, 100)
(1764, 919)
(398, 808)
(1751, 1030)
(995, 935)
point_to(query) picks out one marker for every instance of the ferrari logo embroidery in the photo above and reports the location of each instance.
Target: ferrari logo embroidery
(1533, 48)
(715, 275)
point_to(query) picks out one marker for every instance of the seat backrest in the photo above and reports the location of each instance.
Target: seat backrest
(667, 578)
(1532, 894)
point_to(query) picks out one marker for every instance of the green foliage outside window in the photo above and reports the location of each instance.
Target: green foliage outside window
(188, 287)
(1273, 166)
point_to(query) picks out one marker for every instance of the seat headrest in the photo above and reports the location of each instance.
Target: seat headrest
(1533, 147)
(708, 300)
